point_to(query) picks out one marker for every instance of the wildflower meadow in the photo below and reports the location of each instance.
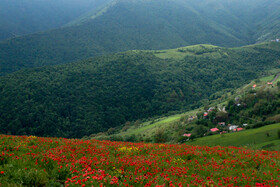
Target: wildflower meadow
(35, 161)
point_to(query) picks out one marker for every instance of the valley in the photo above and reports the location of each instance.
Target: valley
(90, 96)
(139, 93)
(173, 128)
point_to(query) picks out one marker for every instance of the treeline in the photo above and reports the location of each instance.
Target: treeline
(94, 95)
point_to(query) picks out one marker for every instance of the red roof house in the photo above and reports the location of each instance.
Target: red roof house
(187, 135)
(238, 129)
(214, 129)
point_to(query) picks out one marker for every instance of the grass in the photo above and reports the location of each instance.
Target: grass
(150, 126)
(180, 53)
(267, 79)
(253, 138)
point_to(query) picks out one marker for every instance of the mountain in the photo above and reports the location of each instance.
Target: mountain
(122, 25)
(85, 97)
(21, 17)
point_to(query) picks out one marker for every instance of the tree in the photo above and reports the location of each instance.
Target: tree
(160, 136)
(199, 130)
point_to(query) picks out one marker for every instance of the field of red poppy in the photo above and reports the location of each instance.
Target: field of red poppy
(35, 161)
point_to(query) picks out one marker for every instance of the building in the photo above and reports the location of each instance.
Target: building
(187, 135)
(214, 129)
(238, 129)
(232, 127)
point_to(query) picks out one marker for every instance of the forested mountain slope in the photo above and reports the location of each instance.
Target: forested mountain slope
(90, 96)
(19, 17)
(122, 25)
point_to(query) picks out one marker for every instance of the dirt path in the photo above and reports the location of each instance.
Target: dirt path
(276, 77)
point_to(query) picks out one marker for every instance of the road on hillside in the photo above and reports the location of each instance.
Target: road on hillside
(276, 77)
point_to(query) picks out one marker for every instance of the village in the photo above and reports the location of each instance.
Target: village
(218, 116)
(221, 127)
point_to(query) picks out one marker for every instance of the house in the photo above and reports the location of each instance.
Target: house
(210, 109)
(232, 127)
(245, 124)
(187, 135)
(214, 129)
(222, 123)
(238, 129)
(269, 83)
(205, 114)
(254, 86)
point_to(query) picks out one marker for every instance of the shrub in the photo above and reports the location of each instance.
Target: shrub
(116, 138)
(131, 138)
(160, 136)
(182, 139)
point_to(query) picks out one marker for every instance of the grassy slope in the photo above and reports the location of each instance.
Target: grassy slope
(254, 138)
(205, 50)
(150, 127)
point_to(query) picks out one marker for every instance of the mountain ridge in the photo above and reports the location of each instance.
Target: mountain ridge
(144, 25)
(24, 17)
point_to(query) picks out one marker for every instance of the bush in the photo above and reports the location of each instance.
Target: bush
(115, 138)
(160, 136)
(260, 124)
(192, 137)
(111, 131)
(182, 139)
(275, 118)
(148, 139)
(199, 130)
(131, 138)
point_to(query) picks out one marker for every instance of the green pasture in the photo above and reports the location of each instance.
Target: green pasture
(261, 138)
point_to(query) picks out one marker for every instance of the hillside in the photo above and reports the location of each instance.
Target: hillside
(37, 161)
(250, 109)
(94, 95)
(261, 138)
(21, 17)
(144, 24)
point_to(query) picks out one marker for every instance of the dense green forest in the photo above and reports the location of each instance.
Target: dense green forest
(90, 96)
(144, 24)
